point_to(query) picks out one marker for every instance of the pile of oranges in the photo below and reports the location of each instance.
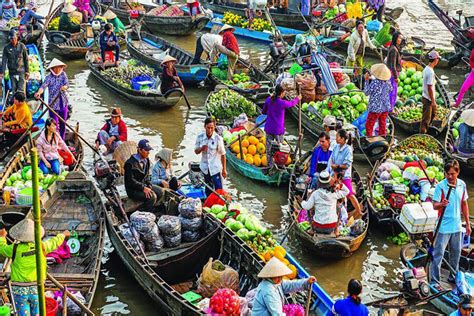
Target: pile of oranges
(253, 150)
(280, 253)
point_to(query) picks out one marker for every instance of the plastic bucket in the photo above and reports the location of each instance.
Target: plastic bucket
(51, 306)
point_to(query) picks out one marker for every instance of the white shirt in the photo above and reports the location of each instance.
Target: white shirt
(325, 204)
(210, 41)
(428, 79)
(211, 160)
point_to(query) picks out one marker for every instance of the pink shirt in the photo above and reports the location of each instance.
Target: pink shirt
(49, 151)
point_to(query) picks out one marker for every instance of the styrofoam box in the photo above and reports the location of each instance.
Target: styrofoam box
(419, 218)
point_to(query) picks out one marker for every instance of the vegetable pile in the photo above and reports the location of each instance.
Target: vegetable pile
(400, 239)
(413, 113)
(259, 25)
(124, 73)
(455, 129)
(226, 104)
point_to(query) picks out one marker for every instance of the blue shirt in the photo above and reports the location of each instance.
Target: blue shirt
(452, 215)
(466, 139)
(319, 160)
(29, 15)
(347, 307)
(342, 155)
(159, 173)
(455, 313)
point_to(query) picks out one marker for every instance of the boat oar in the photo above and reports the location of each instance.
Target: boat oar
(308, 299)
(186, 99)
(46, 22)
(287, 232)
(423, 169)
(84, 308)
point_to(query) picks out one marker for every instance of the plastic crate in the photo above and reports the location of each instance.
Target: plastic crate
(191, 191)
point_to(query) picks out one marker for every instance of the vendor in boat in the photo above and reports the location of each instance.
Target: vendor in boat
(428, 98)
(51, 147)
(65, 23)
(324, 202)
(8, 11)
(23, 267)
(230, 48)
(394, 63)
(300, 48)
(210, 146)
(378, 90)
(137, 178)
(15, 59)
(466, 133)
(113, 133)
(112, 18)
(340, 165)
(109, 46)
(358, 41)
(330, 127)
(169, 75)
(275, 107)
(208, 43)
(319, 158)
(57, 83)
(468, 83)
(351, 305)
(162, 175)
(16, 117)
(271, 291)
(84, 8)
(450, 230)
(465, 306)
(30, 14)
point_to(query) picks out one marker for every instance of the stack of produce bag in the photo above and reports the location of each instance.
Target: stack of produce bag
(215, 275)
(131, 236)
(145, 225)
(190, 215)
(170, 229)
(307, 85)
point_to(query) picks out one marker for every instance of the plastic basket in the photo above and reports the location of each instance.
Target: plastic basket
(191, 191)
(24, 197)
(142, 82)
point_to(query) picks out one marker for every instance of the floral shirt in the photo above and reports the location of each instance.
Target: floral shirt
(54, 83)
(378, 92)
(375, 4)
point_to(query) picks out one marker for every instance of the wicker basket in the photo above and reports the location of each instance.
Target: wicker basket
(123, 152)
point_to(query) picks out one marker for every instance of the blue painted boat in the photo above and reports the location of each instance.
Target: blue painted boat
(149, 46)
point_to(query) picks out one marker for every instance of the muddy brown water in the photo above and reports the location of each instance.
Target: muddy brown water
(376, 263)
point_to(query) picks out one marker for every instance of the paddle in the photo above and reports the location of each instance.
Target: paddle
(308, 299)
(46, 22)
(294, 70)
(186, 99)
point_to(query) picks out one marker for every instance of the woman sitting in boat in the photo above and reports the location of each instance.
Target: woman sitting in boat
(324, 203)
(113, 133)
(271, 291)
(319, 158)
(169, 76)
(65, 22)
(30, 15)
(161, 175)
(351, 305)
(466, 133)
(109, 46)
(84, 8)
(340, 165)
(15, 119)
(23, 267)
(51, 147)
(112, 18)
(8, 11)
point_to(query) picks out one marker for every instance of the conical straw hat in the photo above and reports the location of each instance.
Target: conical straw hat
(468, 117)
(24, 231)
(274, 269)
(381, 72)
(68, 8)
(167, 59)
(55, 63)
(109, 15)
(226, 27)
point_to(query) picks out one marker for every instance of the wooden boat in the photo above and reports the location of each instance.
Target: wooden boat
(147, 46)
(385, 218)
(326, 246)
(31, 36)
(180, 25)
(74, 205)
(437, 126)
(450, 142)
(150, 99)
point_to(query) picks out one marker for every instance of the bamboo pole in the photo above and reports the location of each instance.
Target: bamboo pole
(72, 297)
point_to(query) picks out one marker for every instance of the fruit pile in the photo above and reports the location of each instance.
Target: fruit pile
(54, 24)
(455, 129)
(225, 302)
(233, 19)
(338, 76)
(226, 104)
(380, 202)
(280, 253)
(410, 83)
(258, 24)
(413, 113)
(253, 150)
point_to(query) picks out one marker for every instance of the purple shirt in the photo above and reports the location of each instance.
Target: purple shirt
(54, 83)
(275, 111)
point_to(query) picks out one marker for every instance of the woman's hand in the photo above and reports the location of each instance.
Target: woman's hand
(63, 88)
(47, 164)
(67, 234)
(37, 95)
(311, 279)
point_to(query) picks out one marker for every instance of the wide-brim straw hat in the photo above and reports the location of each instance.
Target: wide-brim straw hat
(381, 72)
(468, 117)
(226, 27)
(274, 269)
(116, 112)
(24, 231)
(167, 59)
(68, 8)
(109, 15)
(56, 63)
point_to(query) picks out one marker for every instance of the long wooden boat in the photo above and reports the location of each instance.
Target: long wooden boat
(150, 99)
(451, 142)
(437, 126)
(148, 46)
(326, 246)
(73, 205)
(180, 25)
(385, 217)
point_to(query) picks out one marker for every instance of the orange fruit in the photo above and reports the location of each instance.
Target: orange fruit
(261, 148)
(264, 161)
(280, 249)
(267, 256)
(294, 272)
(236, 148)
(252, 149)
(263, 140)
(238, 156)
(279, 255)
(244, 150)
(257, 161)
(245, 143)
(249, 159)
(253, 140)
(288, 161)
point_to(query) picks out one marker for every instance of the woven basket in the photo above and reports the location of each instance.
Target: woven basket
(123, 152)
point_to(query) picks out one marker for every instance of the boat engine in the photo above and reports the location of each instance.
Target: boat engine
(105, 173)
(415, 287)
(280, 153)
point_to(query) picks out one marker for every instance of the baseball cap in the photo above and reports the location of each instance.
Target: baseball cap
(145, 145)
(466, 301)
(433, 54)
(12, 34)
(330, 121)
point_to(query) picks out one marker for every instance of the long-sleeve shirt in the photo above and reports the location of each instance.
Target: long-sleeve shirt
(21, 116)
(30, 15)
(83, 5)
(269, 298)
(342, 155)
(230, 42)
(394, 61)
(120, 132)
(15, 59)
(137, 172)
(319, 160)
(355, 41)
(8, 10)
(275, 111)
(49, 150)
(159, 173)
(54, 84)
(168, 79)
(324, 203)
(104, 39)
(23, 268)
(378, 92)
(66, 25)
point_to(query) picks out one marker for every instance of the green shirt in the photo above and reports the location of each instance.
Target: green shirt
(118, 25)
(23, 268)
(66, 25)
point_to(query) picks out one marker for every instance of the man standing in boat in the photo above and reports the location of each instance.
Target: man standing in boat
(450, 199)
(429, 92)
(15, 59)
(230, 48)
(208, 43)
(213, 160)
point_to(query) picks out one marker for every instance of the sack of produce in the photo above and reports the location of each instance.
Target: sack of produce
(172, 241)
(144, 223)
(153, 240)
(169, 225)
(190, 208)
(190, 236)
(215, 276)
(241, 120)
(190, 224)
(225, 302)
(288, 84)
(132, 236)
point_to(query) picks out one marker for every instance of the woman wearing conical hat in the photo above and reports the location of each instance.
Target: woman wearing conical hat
(169, 77)
(23, 266)
(271, 291)
(65, 22)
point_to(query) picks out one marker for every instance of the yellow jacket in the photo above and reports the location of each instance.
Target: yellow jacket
(21, 116)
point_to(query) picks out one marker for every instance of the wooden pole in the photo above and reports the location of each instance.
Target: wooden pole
(38, 246)
(84, 308)
(308, 299)
(240, 149)
(46, 22)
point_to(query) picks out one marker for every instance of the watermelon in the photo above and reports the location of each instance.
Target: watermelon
(402, 76)
(411, 71)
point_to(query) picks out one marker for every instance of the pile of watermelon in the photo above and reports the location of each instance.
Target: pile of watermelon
(225, 302)
(23, 179)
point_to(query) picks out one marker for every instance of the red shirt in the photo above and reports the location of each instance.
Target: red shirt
(230, 42)
(122, 129)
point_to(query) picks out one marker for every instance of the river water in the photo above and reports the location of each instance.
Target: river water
(376, 263)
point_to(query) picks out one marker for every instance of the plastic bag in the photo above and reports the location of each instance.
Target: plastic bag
(241, 120)
(172, 241)
(190, 236)
(193, 224)
(169, 225)
(216, 275)
(153, 240)
(250, 296)
(190, 208)
(132, 238)
(143, 221)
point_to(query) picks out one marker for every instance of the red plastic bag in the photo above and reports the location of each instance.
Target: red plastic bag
(213, 199)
